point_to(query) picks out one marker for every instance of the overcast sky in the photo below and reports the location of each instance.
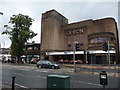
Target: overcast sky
(74, 11)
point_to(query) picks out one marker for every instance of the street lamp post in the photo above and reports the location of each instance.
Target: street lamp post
(86, 56)
(109, 54)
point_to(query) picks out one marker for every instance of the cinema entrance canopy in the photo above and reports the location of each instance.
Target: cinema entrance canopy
(79, 52)
(92, 56)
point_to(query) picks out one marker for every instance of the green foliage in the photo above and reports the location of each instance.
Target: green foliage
(19, 33)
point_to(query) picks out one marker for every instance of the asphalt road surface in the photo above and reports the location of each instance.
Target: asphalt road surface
(33, 77)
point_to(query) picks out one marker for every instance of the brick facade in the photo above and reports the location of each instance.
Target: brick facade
(58, 35)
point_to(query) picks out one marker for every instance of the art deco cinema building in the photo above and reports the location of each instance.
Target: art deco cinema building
(57, 38)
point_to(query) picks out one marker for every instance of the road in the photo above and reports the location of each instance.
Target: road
(33, 77)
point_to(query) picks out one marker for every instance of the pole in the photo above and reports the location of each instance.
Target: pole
(13, 83)
(103, 87)
(74, 46)
(109, 53)
(86, 56)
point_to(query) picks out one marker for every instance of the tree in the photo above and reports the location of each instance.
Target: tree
(19, 32)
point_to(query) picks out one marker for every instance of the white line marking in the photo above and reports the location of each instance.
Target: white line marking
(18, 74)
(44, 71)
(20, 85)
(15, 84)
(41, 77)
(88, 83)
(44, 77)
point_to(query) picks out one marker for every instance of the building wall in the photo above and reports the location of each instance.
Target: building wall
(104, 25)
(52, 34)
(77, 32)
(58, 35)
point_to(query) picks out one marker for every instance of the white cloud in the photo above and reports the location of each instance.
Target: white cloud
(59, 0)
(74, 11)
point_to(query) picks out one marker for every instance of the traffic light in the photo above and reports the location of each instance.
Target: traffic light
(77, 47)
(105, 47)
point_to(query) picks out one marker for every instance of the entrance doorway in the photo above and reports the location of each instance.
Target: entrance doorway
(98, 59)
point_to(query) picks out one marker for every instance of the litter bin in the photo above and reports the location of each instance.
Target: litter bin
(103, 78)
(58, 82)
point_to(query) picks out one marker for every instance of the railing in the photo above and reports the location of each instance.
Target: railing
(112, 69)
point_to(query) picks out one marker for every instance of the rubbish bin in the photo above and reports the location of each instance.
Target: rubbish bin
(58, 81)
(103, 78)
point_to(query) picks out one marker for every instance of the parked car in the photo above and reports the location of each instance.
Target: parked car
(34, 61)
(5, 60)
(72, 61)
(76, 61)
(66, 61)
(47, 64)
(79, 61)
(60, 61)
(13, 61)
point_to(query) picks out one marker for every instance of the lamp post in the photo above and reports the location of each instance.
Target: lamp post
(109, 54)
(0, 43)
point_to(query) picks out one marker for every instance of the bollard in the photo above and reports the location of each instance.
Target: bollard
(13, 83)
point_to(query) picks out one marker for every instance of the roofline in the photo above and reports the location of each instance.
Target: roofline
(56, 12)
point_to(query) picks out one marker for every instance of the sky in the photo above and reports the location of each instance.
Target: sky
(74, 11)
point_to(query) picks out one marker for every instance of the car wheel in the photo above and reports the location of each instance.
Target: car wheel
(52, 67)
(39, 66)
(58, 67)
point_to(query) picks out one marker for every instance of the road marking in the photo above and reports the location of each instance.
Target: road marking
(45, 71)
(88, 83)
(18, 74)
(41, 77)
(9, 68)
(42, 71)
(20, 85)
(15, 84)
(26, 69)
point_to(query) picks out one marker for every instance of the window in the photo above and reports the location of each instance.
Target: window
(36, 48)
(48, 62)
(98, 40)
(69, 43)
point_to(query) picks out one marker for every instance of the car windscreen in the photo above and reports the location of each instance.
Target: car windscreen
(49, 62)
(39, 62)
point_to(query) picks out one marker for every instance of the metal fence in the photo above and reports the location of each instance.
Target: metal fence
(96, 68)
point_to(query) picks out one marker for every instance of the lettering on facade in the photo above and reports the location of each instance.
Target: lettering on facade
(76, 31)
